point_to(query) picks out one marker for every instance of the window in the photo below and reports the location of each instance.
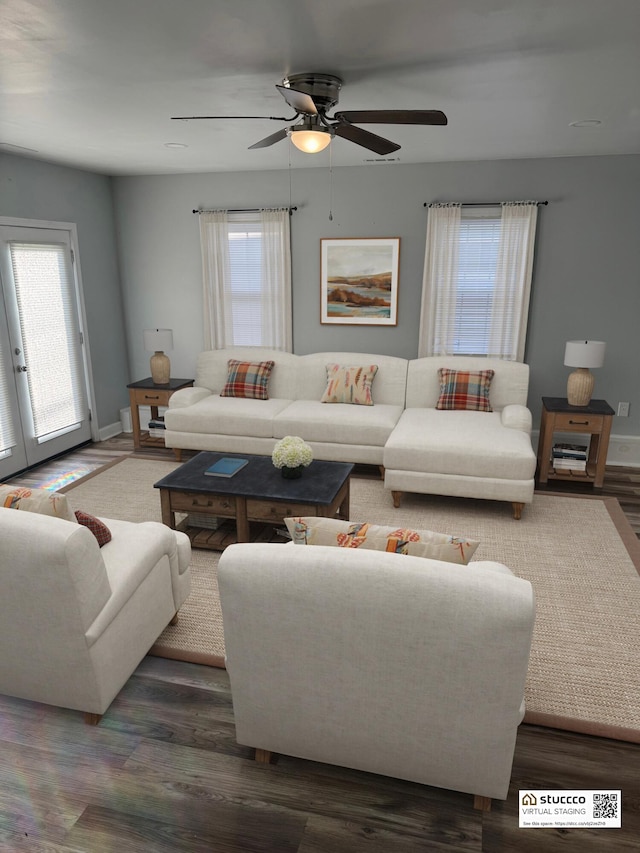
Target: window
(477, 280)
(246, 260)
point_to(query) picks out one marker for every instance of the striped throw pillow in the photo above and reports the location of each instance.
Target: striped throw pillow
(247, 379)
(465, 389)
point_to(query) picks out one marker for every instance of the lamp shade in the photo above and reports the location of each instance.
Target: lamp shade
(584, 353)
(158, 340)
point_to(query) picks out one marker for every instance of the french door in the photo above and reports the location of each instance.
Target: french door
(44, 388)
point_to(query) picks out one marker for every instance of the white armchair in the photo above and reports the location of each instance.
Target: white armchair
(76, 619)
(382, 662)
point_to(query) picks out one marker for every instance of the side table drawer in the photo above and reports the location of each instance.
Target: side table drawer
(214, 504)
(578, 423)
(276, 511)
(152, 398)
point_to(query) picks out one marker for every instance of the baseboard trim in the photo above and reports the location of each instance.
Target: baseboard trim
(624, 450)
(110, 431)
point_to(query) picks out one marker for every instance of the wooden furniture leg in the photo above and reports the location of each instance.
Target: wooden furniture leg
(483, 804)
(177, 451)
(397, 496)
(263, 756)
(517, 510)
(92, 719)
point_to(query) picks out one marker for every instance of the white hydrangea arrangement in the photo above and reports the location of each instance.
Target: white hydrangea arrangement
(291, 452)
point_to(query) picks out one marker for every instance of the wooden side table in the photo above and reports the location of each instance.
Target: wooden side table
(594, 420)
(147, 393)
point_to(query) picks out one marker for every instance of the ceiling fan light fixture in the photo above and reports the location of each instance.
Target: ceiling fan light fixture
(309, 141)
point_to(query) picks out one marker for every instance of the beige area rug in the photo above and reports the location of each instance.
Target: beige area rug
(577, 552)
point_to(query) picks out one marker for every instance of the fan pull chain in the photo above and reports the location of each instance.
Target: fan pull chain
(289, 143)
(330, 185)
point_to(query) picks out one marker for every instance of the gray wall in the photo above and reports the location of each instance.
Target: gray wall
(32, 189)
(586, 276)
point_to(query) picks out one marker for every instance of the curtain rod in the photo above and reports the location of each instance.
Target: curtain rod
(476, 203)
(243, 210)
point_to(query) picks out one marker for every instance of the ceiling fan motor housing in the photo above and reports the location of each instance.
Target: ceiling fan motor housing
(324, 89)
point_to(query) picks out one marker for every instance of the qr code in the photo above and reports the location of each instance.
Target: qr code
(605, 806)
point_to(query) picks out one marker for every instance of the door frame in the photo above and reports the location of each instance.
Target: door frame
(72, 230)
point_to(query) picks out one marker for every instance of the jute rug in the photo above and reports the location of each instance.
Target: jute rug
(579, 553)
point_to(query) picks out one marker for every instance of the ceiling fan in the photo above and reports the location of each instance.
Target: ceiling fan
(312, 96)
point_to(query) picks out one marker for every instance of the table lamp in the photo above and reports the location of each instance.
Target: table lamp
(157, 341)
(582, 355)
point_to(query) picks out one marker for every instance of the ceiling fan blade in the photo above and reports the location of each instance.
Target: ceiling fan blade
(300, 101)
(365, 138)
(198, 118)
(393, 117)
(270, 140)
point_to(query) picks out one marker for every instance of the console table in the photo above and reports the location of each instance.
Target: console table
(146, 393)
(595, 420)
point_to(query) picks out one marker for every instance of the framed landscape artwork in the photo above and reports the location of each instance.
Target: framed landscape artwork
(359, 281)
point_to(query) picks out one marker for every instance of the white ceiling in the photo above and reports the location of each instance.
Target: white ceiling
(94, 83)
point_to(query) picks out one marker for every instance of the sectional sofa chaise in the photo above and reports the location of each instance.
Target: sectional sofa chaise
(477, 454)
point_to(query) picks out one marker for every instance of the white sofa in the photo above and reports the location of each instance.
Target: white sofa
(469, 454)
(76, 619)
(391, 664)
(199, 418)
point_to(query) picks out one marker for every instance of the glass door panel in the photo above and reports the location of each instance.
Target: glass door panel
(45, 359)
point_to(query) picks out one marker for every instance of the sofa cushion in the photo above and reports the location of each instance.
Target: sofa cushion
(97, 527)
(340, 423)
(314, 530)
(247, 379)
(42, 501)
(217, 415)
(465, 389)
(470, 444)
(349, 384)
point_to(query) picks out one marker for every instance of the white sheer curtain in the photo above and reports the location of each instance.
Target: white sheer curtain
(246, 263)
(477, 280)
(440, 280)
(512, 290)
(276, 279)
(216, 270)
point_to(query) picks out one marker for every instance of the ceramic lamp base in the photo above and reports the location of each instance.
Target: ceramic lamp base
(160, 368)
(580, 387)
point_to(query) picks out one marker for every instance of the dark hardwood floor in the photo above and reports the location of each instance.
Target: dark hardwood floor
(163, 772)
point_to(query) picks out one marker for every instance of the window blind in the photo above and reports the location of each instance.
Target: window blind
(243, 290)
(477, 263)
(50, 336)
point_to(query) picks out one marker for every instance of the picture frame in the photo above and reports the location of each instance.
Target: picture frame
(359, 281)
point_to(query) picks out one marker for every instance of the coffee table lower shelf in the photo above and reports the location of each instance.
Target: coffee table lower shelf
(225, 534)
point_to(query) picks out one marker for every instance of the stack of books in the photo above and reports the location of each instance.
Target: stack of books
(569, 457)
(156, 427)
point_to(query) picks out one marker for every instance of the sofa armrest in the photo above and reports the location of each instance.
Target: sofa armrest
(187, 397)
(516, 417)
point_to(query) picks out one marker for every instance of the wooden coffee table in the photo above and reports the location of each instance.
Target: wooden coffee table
(257, 493)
